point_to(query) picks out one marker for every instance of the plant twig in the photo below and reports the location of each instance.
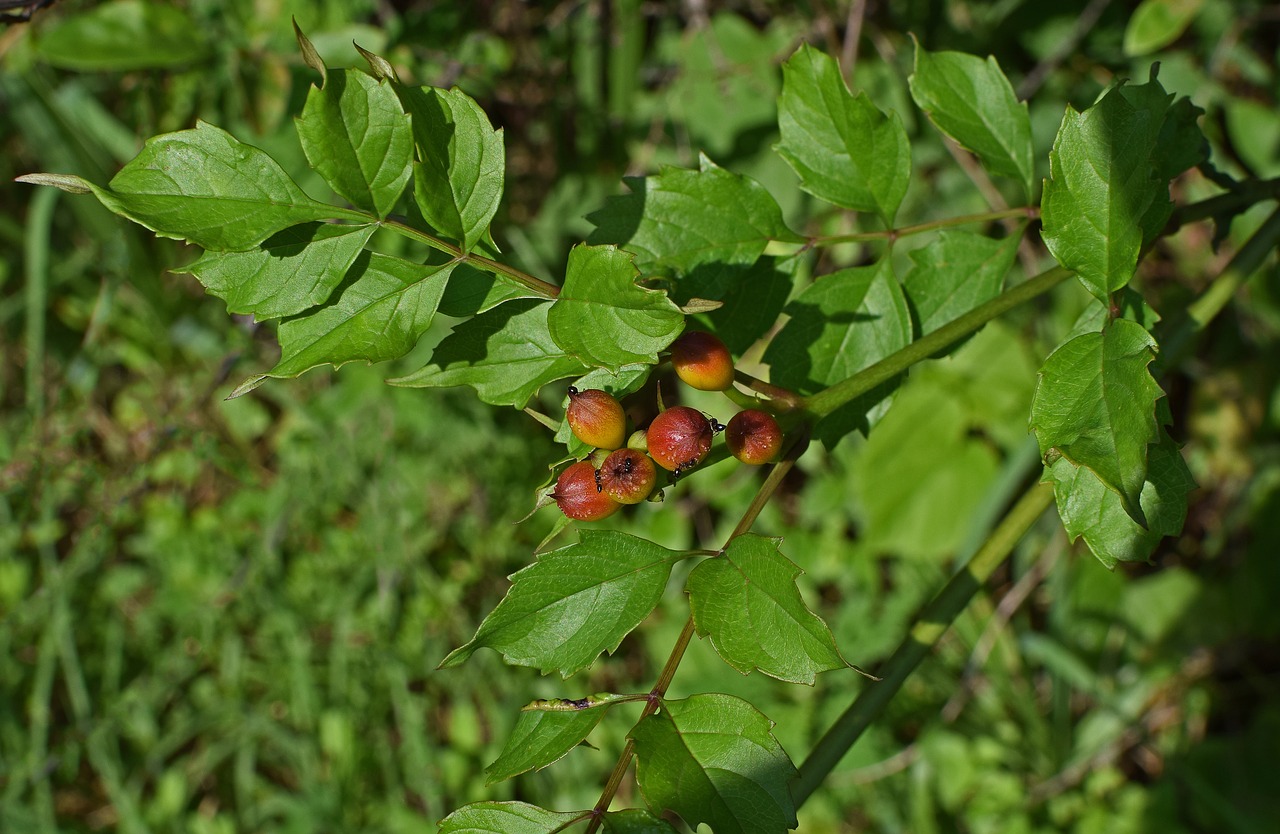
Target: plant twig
(1024, 212)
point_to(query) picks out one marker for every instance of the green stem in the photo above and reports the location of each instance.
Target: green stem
(932, 623)
(1249, 194)
(524, 279)
(1025, 212)
(826, 401)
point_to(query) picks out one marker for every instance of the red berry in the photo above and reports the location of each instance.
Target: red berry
(679, 438)
(753, 436)
(702, 361)
(578, 494)
(596, 418)
(628, 476)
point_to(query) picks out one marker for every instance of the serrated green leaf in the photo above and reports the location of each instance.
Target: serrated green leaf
(123, 35)
(841, 324)
(506, 354)
(1090, 510)
(382, 308)
(458, 178)
(207, 187)
(574, 603)
(540, 739)
(636, 821)
(507, 818)
(603, 318)
(972, 101)
(289, 272)
(713, 759)
(844, 149)
(356, 135)
(1157, 23)
(1103, 193)
(954, 273)
(1095, 404)
(747, 602)
(680, 219)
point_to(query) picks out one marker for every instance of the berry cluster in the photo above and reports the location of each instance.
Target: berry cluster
(678, 439)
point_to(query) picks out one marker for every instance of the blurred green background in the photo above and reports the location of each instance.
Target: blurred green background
(224, 616)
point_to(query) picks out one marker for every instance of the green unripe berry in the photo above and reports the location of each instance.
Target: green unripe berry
(702, 361)
(679, 438)
(753, 436)
(578, 494)
(596, 418)
(628, 476)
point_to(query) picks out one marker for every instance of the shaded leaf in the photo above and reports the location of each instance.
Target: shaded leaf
(752, 297)
(473, 291)
(954, 273)
(507, 818)
(636, 821)
(540, 739)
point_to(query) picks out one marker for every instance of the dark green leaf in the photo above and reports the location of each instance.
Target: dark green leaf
(473, 291)
(972, 101)
(1096, 406)
(747, 602)
(603, 318)
(636, 821)
(954, 273)
(843, 148)
(123, 35)
(506, 354)
(752, 297)
(506, 818)
(681, 219)
(713, 759)
(291, 271)
(574, 603)
(541, 738)
(1181, 145)
(355, 134)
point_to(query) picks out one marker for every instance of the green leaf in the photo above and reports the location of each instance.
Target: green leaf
(205, 186)
(506, 354)
(1102, 181)
(972, 101)
(289, 272)
(844, 149)
(574, 603)
(752, 297)
(1157, 23)
(458, 178)
(954, 273)
(473, 291)
(123, 35)
(713, 759)
(603, 318)
(507, 818)
(356, 135)
(1091, 510)
(540, 739)
(747, 602)
(1182, 144)
(1095, 405)
(681, 219)
(839, 325)
(382, 309)
(636, 821)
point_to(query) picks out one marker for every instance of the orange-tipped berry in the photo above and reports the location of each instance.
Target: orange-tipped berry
(679, 438)
(596, 418)
(702, 361)
(578, 494)
(753, 436)
(628, 476)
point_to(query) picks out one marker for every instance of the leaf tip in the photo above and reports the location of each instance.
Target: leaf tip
(248, 385)
(309, 54)
(69, 183)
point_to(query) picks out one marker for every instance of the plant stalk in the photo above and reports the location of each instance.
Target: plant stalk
(1023, 212)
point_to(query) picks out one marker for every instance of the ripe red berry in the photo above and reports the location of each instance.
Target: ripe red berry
(753, 436)
(596, 418)
(628, 476)
(702, 361)
(578, 494)
(679, 438)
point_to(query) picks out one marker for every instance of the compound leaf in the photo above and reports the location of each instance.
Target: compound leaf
(713, 759)
(574, 603)
(747, 602)
(603, 318)
(507, 818)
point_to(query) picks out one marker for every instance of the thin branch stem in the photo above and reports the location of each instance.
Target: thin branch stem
(524, 279)
(1025, 212)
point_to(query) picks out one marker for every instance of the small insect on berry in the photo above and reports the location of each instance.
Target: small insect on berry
(596, 418)
(577, 495)
(628, 476)
(753, 436)
(679, 438)
(702, 361)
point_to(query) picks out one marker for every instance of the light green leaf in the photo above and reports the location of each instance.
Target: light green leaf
(356, 135)
(574, 603)
(382, 309)
(458, 178)
(972, 101)
(713, 759)
(1157, 23)
(1095, 405)
(289, 272)
(507, 818)
(123, 35)
(603, 318)
(845, 150)
(506, 354)
(956, 272)
(681, 219)
(747, 602)
(541, 738)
